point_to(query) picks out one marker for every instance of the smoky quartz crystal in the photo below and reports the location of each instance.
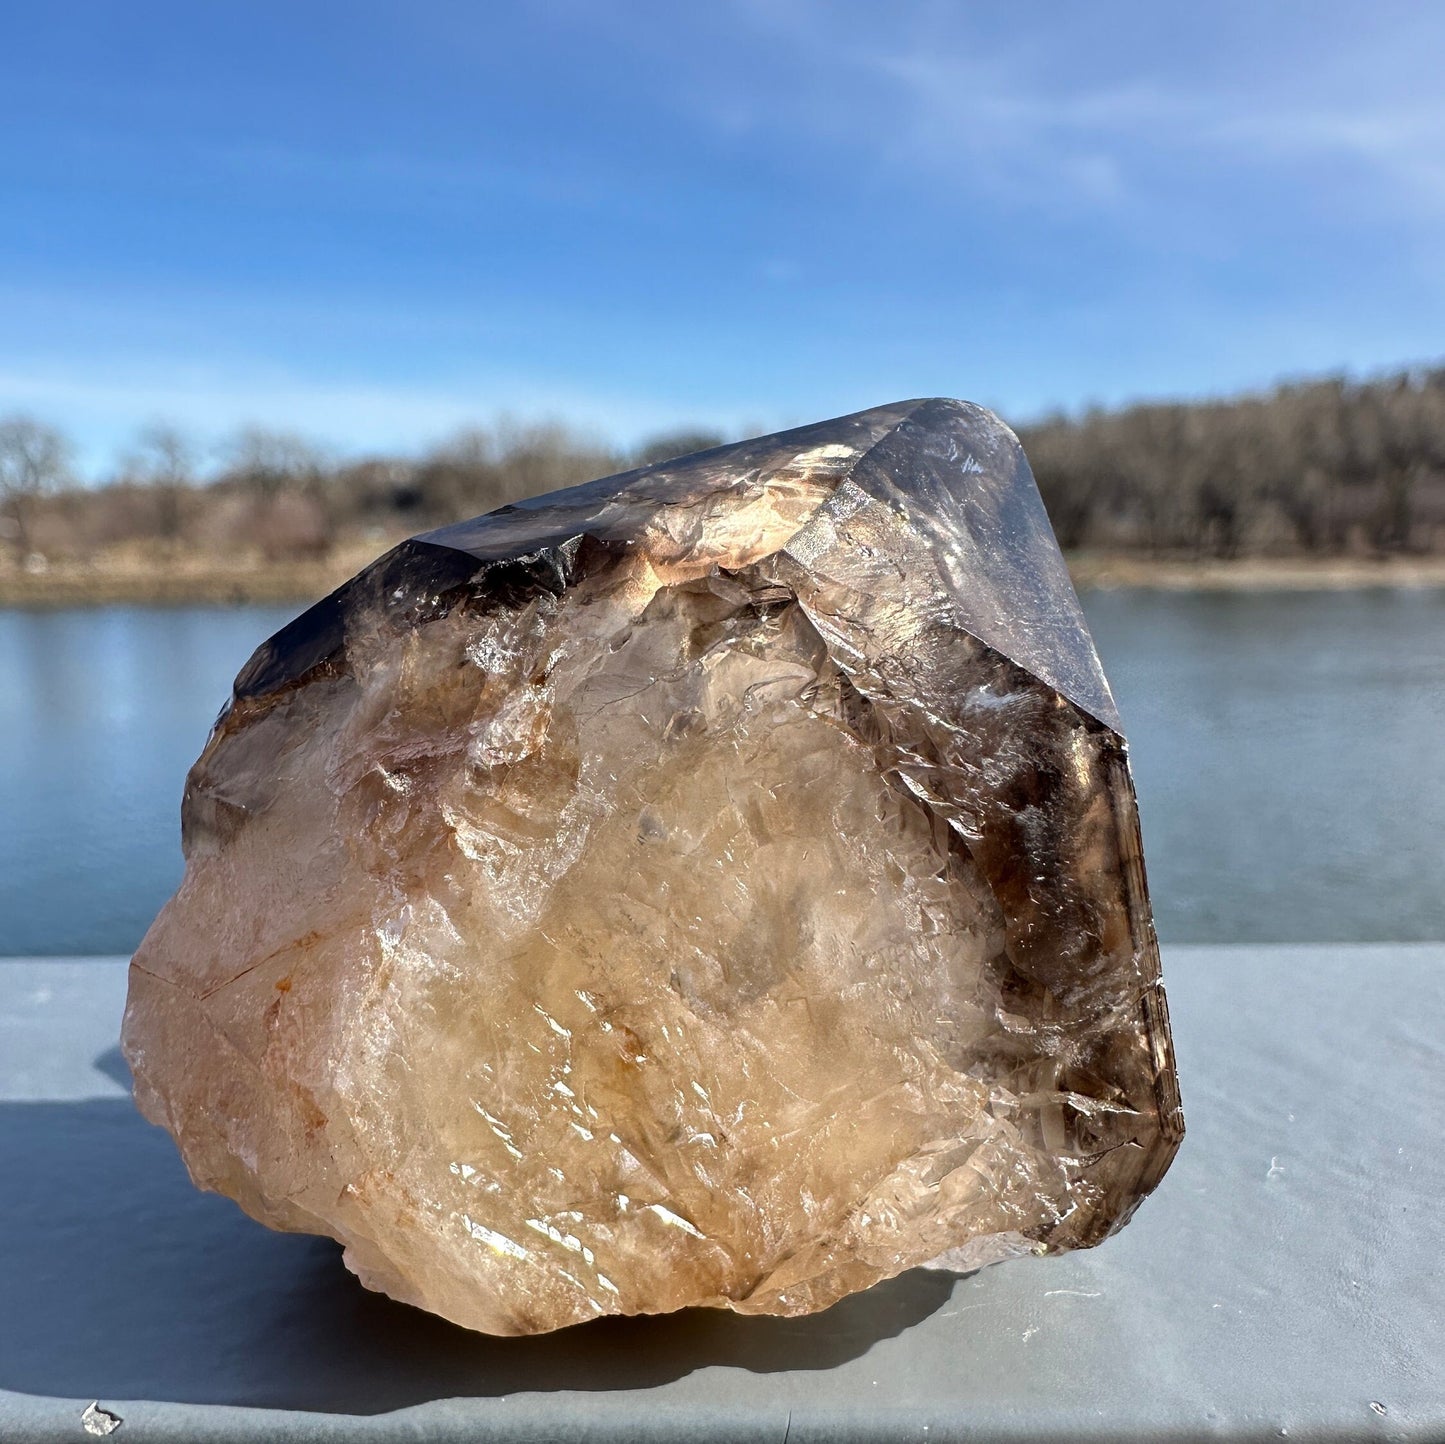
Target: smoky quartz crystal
(718, 884)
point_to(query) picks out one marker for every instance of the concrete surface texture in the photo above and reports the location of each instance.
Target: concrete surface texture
(1282, 1282)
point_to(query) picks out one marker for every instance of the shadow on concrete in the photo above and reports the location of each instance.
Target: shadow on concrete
(120, 1280)
(112, 1063)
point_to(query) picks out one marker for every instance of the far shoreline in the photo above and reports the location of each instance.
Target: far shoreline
(197, 580)
(1255, 574)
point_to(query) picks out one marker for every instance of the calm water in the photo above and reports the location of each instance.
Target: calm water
(1287, 749)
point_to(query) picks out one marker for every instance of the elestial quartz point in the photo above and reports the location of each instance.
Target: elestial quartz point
(714, 885)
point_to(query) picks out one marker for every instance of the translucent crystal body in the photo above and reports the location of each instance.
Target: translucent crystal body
(717, 885)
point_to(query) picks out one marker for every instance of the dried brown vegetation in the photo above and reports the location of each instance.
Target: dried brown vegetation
(1327, 469)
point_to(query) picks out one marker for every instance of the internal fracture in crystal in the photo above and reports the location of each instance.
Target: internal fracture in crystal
(714, 885)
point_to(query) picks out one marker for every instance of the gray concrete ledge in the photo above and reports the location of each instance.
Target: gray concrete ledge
(1285, 1280)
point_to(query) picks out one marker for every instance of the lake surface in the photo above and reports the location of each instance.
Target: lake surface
(1287, 748)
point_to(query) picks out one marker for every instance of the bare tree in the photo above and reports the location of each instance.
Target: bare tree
(542, 456)
(479, 469)
(670, 444)
(165, 461)
(458, 477)
(34, 459)
(268, 462)
(295, 510)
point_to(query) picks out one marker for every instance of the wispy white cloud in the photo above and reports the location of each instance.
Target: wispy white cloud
(1402, 143)
(969, 117)
(1015, 113)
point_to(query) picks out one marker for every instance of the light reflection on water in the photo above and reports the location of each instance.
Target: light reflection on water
(1287, 748)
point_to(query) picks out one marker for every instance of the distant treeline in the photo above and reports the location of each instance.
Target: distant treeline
(1327, 468)
(274, 494)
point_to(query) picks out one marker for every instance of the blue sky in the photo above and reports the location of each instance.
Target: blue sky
(374, 222)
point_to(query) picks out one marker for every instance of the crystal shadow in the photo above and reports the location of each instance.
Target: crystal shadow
(120, 1280)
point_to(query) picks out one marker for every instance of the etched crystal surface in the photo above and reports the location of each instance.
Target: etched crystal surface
(715, 885)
